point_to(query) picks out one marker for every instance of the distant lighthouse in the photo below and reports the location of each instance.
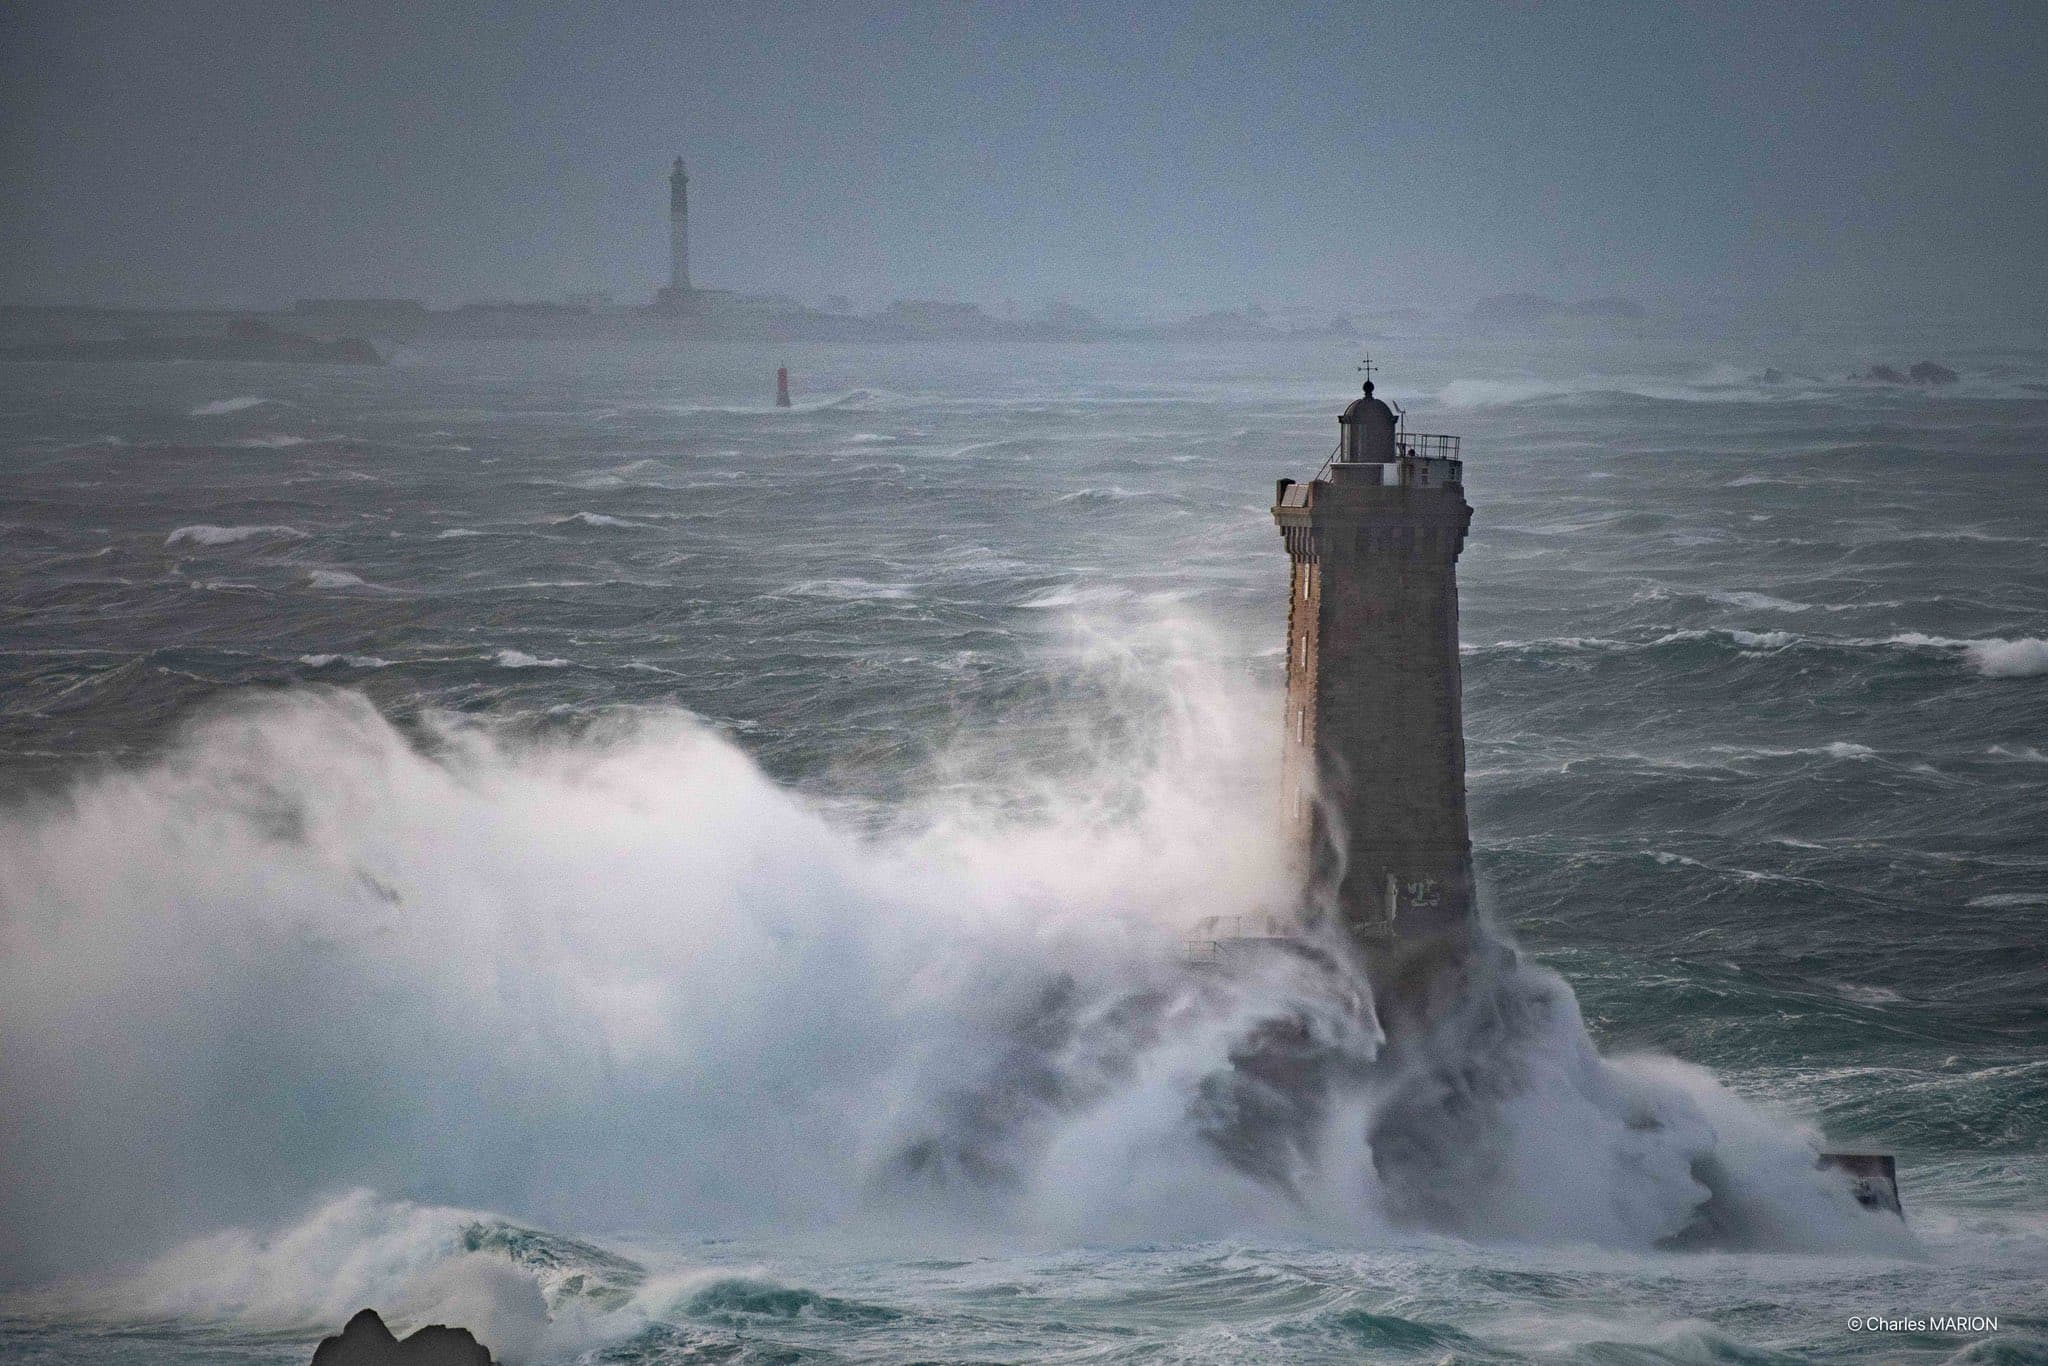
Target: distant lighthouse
(678, 295)
(1374, 763)
(679, 230)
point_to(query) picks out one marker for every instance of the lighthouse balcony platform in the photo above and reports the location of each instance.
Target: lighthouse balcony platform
(1425, 446)
(1407, 473)
(1420, 460)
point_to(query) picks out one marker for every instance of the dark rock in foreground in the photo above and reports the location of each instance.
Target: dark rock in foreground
(367, 1342)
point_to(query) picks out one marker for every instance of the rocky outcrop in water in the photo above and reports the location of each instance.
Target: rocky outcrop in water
(365, 1341)
(1922, 372)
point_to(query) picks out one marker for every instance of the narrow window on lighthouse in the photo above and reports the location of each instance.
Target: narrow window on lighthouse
(1301, 725)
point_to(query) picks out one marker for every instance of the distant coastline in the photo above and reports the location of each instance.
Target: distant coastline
(50, 332)
(59, 331)
(240, 339)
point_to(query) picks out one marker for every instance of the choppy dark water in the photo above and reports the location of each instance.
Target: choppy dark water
(1757, 690)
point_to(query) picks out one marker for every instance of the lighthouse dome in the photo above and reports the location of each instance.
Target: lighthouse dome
(1368, 430)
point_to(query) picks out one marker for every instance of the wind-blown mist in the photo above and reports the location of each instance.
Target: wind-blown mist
(616, 976)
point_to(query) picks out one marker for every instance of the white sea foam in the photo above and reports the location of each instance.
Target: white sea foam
(1110, 494)
(2001, 899)
(335, 578)
(852, 398)
(206, 534)
(2026, 754)
(527, 1295)
(271, 441)
(1761, 602)
(322, 661)
(1569, 643)
(1966, 534)
(1836, 749)
(412, 1263)
(221, 407)
(2009, 658)
(1756, 601)
(1068, 596)
(663, 915)
(317, 1269)
(1791, 480)
(849, 590)
(600, 519)
(1994, 657)
(519, 659)
(624, 976)
(1763, 640)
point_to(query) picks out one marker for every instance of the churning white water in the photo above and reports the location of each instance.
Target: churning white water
(620, 976)
(524, 997)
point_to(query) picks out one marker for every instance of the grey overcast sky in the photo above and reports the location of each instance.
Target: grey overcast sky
(1139, 156)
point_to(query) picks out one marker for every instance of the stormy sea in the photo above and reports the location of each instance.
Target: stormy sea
(536, 837)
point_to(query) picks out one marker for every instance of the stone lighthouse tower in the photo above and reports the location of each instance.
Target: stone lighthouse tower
(1374, 767)
(678, 294)
(679, 229)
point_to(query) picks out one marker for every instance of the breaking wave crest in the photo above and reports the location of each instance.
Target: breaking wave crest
(221, 407)
(1991, 656)
(530, 1295)
(2009, 658)
(335, 578)
(227, 535)
(620, 976)
(520, 659)
(526, 1293)
(599, 519)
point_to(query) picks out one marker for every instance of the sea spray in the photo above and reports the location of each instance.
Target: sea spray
(526, 1294)
(617, 975)
(1499, 1120)
(609, 975)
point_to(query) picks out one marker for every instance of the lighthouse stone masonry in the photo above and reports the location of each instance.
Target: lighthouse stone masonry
(679, 295)
(1374, 764)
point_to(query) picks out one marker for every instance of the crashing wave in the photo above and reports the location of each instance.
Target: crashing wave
(620, 974)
